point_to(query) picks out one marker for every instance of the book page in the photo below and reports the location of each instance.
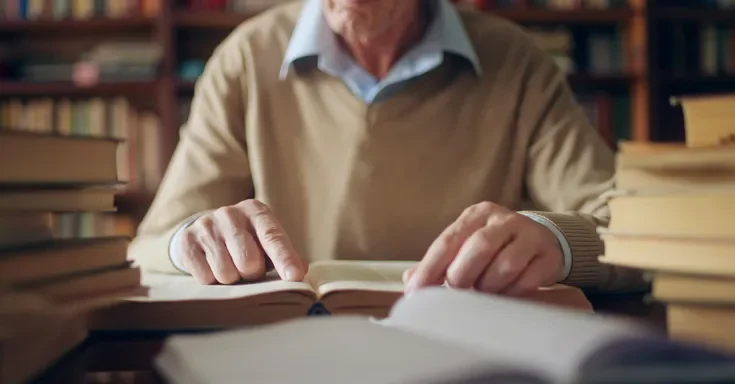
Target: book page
(164, 287)
(340, 275)
(319, 350)
(550, 340)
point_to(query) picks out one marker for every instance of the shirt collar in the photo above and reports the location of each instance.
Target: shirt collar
(313, 37)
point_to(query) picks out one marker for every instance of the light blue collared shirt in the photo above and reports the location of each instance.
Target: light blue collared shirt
(312, 37)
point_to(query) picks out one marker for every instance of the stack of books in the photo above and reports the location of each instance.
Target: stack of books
(50, 281)
(673, 215)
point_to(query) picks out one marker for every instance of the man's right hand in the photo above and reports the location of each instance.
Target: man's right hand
(233, 242)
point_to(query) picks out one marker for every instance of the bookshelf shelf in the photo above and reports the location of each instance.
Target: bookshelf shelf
(76, 26)
(695, 15)
(597, 80)
(698, 80)
(71, 89)
(544, 16)
(229, 20)
(209, 19)
(185, 86)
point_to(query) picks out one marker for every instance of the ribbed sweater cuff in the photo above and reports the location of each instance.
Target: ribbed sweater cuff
(586, 248)
(151, 252)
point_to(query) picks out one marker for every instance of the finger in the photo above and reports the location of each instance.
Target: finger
(505, 268)
(194, 260)
(431, 270)
(249, 259)
(407, 274)
(216, 254)
(246, 254)
(276, 244)
(477, 253)
(534, 276)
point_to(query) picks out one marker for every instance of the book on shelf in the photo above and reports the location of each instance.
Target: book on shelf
(330, 287)
(77, 9)
(439, 335)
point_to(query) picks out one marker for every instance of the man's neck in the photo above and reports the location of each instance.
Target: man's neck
(379, 53)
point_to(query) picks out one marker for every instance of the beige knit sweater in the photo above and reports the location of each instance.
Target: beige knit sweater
(356, 181)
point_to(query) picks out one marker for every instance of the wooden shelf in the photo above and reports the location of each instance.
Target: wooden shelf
(545, 16)
(71, 89)
(209, 19)
(89, 25)
(185, 86)
(229, 20)
(697, 80)
(597, 81)
(695, 15)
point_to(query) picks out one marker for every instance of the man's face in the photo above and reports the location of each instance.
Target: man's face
(365, 19)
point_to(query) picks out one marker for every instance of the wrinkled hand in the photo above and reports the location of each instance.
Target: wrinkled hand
(236, 242)
(491, 249)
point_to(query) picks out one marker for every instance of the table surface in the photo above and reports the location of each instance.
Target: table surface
(127, 357)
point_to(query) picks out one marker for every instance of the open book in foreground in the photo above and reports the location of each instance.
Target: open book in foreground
(443, 336)
(337, 287)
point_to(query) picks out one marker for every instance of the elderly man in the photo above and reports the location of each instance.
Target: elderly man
(384, 129)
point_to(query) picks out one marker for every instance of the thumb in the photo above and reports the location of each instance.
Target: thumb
(407, 274)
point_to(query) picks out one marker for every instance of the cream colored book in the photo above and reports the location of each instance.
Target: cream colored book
(331, 287)
(693, 289)
(631, 179)
(706, 324)
(673, 254)
(705, 214)
(667, 167)
(708, 119)
(679, 159)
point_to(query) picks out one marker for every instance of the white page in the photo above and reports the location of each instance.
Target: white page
(550, 340)
(319, 350)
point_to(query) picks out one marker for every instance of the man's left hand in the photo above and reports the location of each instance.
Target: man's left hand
(492, 249)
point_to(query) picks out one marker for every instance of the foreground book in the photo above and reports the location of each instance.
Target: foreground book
(438, 335)
(336, 287)
(33, 335)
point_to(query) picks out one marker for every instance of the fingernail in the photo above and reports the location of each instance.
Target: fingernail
(291, 273)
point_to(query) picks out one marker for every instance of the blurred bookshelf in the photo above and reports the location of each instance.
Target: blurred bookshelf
(128, 67)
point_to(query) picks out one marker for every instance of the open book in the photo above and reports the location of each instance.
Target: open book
(442, 336)
(331, 287)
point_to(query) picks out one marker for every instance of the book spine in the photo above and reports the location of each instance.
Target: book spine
(318, 309)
